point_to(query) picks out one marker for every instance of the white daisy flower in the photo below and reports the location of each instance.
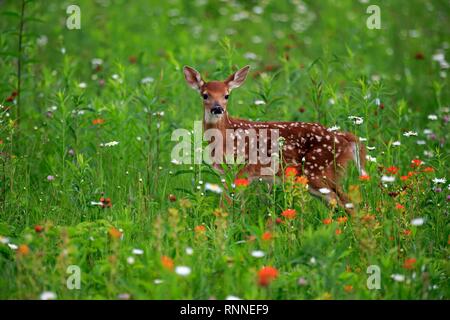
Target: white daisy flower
(432, 117)
(398, 277)
(183, 271)
(82, 85)
(12, 246)
(158, 281)
(370, 158)
(396, 143)
(334, 128)
(213, 187)
(410, 133)
(130, 260)
(147, 80)
(137, 251)
(259, 102)
(356, 120)
(258, 254)
(109, 144)
(47, 295)
(388, 178)
(189, 251)
(417, 222)
(439, 180)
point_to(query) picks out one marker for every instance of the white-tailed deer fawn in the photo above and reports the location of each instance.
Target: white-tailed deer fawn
(315, 151)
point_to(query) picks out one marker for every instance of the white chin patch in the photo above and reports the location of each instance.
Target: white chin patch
(212, 118)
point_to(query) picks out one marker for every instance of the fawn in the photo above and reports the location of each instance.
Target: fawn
(313, 150)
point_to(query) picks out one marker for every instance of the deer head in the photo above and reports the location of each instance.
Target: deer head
(215, 94)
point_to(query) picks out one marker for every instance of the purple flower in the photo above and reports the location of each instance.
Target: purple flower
(448, 198)
(50, 178)
(437, 190)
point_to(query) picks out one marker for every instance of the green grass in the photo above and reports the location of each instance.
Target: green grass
(314, 61)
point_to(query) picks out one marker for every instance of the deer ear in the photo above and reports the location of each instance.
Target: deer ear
(237, 78)
(193, 78)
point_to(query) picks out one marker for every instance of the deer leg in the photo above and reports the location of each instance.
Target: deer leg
(322, 190)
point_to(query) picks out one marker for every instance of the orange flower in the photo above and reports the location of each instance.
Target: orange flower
(368, 217)
(289, 213)
(409, 263)
(399, 206)
(364, 177)
(416, 163)
(114, 233)
(290, 172)
(327, 221)
(407, 232)
(167, 263)
(342, 219)
(98, 121)
(411, 173)
(241, 182)
(338, 232)
(302, 180)
(428, 169)
(266, 236)
(348, 288)
(392, 169)
(23, 250)
(404, 178)
(266, 275)
(200, 229)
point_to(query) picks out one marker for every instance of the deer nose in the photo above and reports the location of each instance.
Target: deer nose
(216, 110)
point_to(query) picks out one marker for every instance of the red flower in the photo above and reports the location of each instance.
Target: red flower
(342, 219)
(278, 220)
(106, 202)
(404, 178)
(399, 206)
(98, 121)
(200, 229)
(406, 232)
(338, 231)
(266, 275)
(409, 263)
(38, 228)
(266, 236)
(290, 172)
(302, 180)
(167, 263)
(327, 221)
(364, 177)
(241, 182)
(428, 169)
(392, 169)
(289, 213)
(416, 163)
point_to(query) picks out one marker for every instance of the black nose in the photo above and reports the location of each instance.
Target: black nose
(217, 110)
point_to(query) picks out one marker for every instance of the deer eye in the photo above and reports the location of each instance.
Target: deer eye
(226, 96)
(205, 96)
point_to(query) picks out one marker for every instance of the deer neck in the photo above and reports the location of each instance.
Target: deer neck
(222, 124)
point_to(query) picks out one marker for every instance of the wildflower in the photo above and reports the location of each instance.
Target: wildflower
(432, 117)
(38, 228)
(302, 281)
(266, 236)
(392, 169)
(82, 85)
(324, 190)
(114, 233)
(109, 144)
(302, 180)
(407, 232)
(266, 275)
(428, 169)
(334, 128)
(278, 221)
(409, 263)
(398, 277)
(370, 158)
(416, 163)
(342, 219)
(404, 178)
(50, 178)
(338, 232)
(98, 121)
(289, 213)
(418, 221)
(387, 178)
(356, 120)
(259, 102)
(158, 281)
(47, 295)
(232, 298)
(241, 182)
(290, 172)
(348, 288)
(364, 177)
(172, 198)
(439, 180)
(183, 271)
(138, 251)
(410, 133)
(213, 187)
(327, 221)
(12, 246)
(258, 254)
(200, 229)
(189, 251)
(105, 202)
(147, 80)
(167, 263)
(398, 206)
(396, 143)
(130, 260)
(23, 250)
